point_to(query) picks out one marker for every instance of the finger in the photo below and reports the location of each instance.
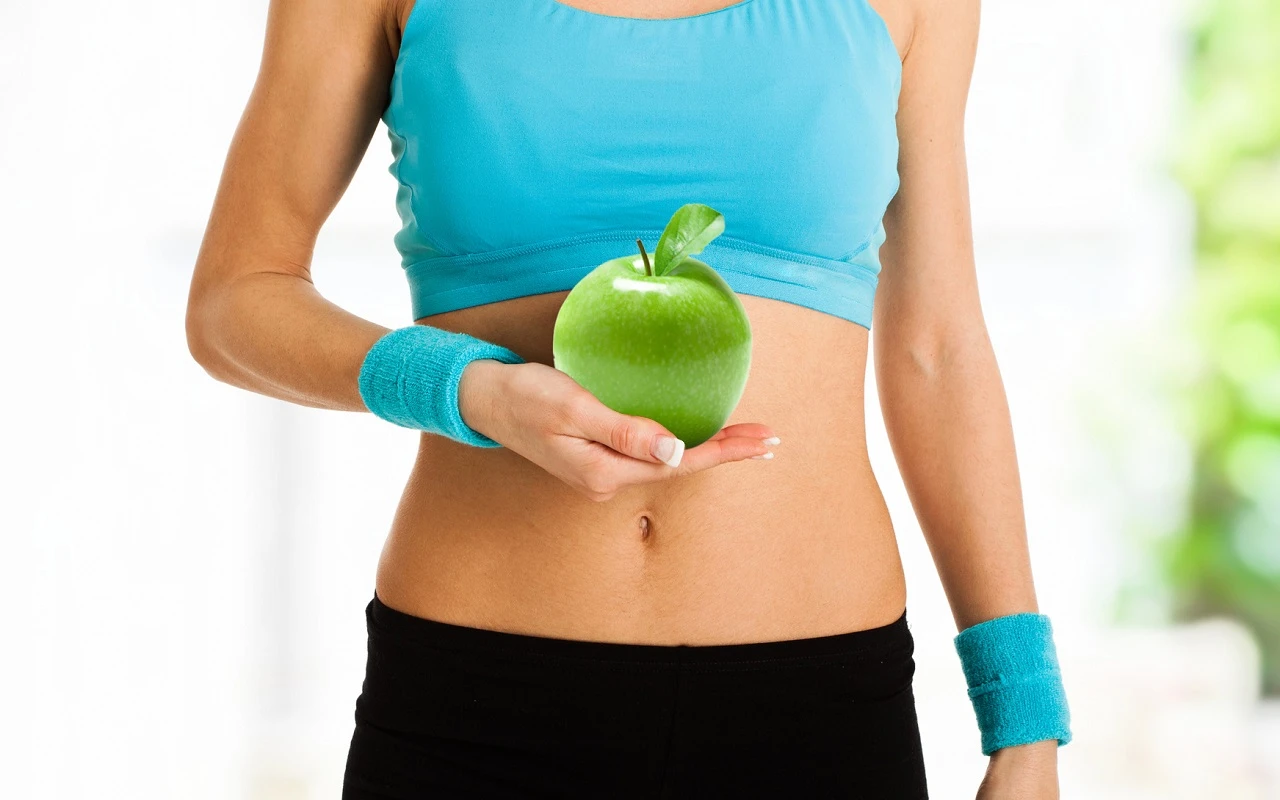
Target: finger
(711, 453)
(714, 452)
(638, 437)
(747, 429)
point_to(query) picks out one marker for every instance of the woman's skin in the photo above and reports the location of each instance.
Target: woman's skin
(572, 529)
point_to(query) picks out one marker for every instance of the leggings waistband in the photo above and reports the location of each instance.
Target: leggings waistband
(892, 640)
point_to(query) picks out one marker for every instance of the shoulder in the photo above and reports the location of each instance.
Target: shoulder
(908, 20)
(354, 17)
(942, 28)
(349, 33)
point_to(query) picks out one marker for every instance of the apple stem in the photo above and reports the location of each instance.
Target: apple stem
(648, 270)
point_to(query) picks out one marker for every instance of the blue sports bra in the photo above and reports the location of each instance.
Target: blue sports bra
(533, 141)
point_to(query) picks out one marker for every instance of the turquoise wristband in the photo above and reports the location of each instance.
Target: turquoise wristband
(1015, 685)
(410, 377)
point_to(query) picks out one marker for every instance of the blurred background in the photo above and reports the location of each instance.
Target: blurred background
(184, 566)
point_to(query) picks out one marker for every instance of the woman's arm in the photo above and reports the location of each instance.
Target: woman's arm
(940, 389)
(254, 318)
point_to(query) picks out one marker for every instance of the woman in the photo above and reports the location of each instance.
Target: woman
(569, 603)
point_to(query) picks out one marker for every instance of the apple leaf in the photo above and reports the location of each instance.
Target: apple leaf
(691, 228)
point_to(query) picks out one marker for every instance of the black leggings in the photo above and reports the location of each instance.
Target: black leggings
(459, 712)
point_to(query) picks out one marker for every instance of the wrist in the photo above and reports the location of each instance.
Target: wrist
(411, 377)
(1011, 667)
(1026, 770)
(479, 391)
(1043, 752)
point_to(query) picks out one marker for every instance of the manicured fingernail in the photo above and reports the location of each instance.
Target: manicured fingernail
(766, 456)
(668, 450)
(772, 440)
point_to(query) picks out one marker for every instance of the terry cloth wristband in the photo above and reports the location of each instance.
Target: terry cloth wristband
(1015, 685)
(410, 377)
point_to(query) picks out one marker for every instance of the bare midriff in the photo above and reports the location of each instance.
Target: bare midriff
(756, 550)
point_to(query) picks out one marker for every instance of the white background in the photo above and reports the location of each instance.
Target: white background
(184, 566)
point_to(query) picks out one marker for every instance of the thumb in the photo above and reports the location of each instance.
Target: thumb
(638, 437)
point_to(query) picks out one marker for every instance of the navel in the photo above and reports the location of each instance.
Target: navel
(646, 527)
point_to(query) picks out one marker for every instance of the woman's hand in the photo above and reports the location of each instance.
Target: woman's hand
(550, 419)
(1026, 772)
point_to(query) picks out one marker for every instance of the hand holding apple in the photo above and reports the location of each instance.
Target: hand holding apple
(593, 449)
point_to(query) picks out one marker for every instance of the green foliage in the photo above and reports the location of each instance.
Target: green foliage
(1226, 557)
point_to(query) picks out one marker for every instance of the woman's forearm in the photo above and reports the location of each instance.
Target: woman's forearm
(273, 333)
(948, 423)
(254, 319)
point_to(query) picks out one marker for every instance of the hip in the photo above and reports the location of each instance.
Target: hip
(466, 712)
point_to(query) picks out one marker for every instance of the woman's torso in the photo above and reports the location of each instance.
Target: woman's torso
(798, 546)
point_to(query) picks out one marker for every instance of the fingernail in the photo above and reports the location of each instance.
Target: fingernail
(667, 449)
(766, 456)
(772, 440)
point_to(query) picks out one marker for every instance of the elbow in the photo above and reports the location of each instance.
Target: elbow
(934, 351)
(912, 360)
(201, 342)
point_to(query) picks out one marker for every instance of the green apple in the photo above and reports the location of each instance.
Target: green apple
(667, 340)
